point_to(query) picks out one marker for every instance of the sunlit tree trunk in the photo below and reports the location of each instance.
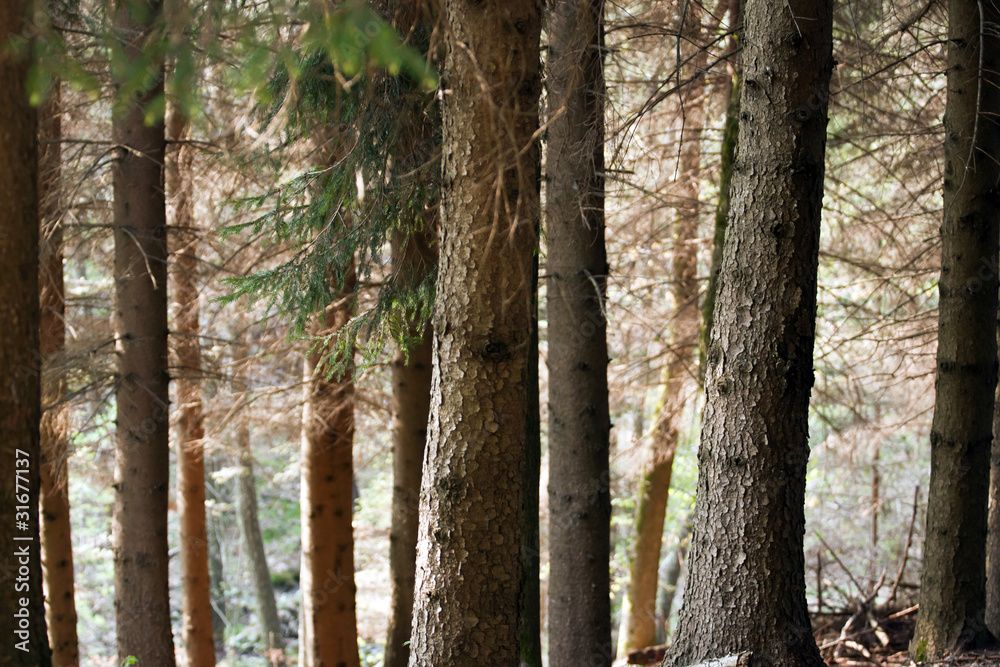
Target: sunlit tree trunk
(468, 588)
(327, 575)
(22, 609)
(57, 542)
(579, 491)
(953, 578)
(199, 642)
(746, 585)
(142, 459)
(411, 390)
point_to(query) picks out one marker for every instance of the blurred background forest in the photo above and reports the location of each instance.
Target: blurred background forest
(876, 329)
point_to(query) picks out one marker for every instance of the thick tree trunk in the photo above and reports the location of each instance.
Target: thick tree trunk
(639, 621)
(57, 542)
(142, 460)
(530, 644)
(22, 608)
(579, 493)
(469, 571)
(199, 642)
(746, 584)
(411, 389)
(953, 579)
(327, 577)
(272, 637)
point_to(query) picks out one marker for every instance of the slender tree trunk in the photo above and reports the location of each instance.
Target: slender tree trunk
(272, 637)
(579, 424)
(530, 644)
(469, 571)
(639, 626)
(57, 542)
(411, 388)
(216, 569)
(746, 585)
(953, 579)
(142, 460)
(22, 609)
(199, 643)
(327, 577)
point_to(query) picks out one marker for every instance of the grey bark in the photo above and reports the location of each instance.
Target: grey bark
(746, 585)
(953, 578)
(469, 571)
(579, 614)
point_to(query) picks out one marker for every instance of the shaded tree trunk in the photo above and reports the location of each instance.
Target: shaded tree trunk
(199, 642)
(579, 491)
(272, 637)
(953, 579)
(746, 584)
(639, 621)
(329, 618)
(22, 607)
(469, 571)
(530, 644)
(57, 542)
(411, 389)
(142, 459)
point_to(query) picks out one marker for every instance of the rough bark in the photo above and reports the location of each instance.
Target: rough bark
(199, 642)
(411, 388)
(746, 584)
(953, 579)
(993, 524)
(469, 570)
(579, 493)
(329, 617)
(272, 637)
(639, 621)
(142, 479)
(22, 608)
(57, 542)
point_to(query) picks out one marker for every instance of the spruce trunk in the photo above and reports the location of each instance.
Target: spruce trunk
(469, 572)
(953, 579)
(57, 542)
(142, 458)
(579, 612)
(22, 607)
(411, 390)
(329, 617)
(746, 585)
(199, 641)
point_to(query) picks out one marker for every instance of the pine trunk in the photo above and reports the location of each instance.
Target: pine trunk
(639, 620)
(22, 607)
(329, 617)
(142, 459)
(746, 585)
(411, 389)
(199, 642)
(469, 571)
(271, 636)
(57, 542)
(579, 424)
(953, 579)
(530, 645)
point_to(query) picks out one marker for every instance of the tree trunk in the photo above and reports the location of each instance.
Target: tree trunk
(142, 459)
(199, 643)
(57, 542)
(329, 617)
(530, 645)
(272, 638)
(639, 626)
(22, 605)
(217, 574)
(469, 571)
(579, 424)
(746, 585)
(411, 389)
(953, 579)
